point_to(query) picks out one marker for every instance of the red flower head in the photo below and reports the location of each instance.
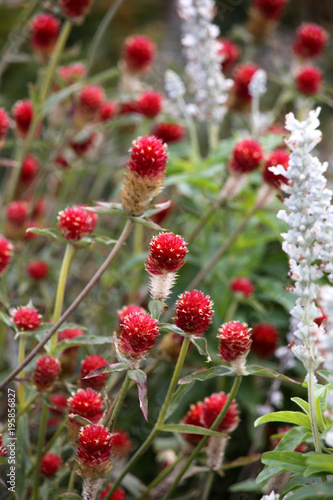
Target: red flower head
(23, 115)
(88, 365)
(139, 52)
(265, 338)
(29, 170)
(309, 80)
(148, 157)
(4, 123)
(301, 448)
(2, 447)
(167, 252)
(246, 156)
(94, 449)
(87, 145)
(86, 403)
(61, 161)
(235, 341)
(70, 334)
(50, 464)
(75, 9)
(150, 103)
(194, 417)
(76, 222)
(169, 132)
(277, 157)
(310, 40)
(72, 73)
(125, 108)
(242, 78)
(46, 372)
(271, 9)
(17, 213)
(161, 216)
(243, 286)
(59, 402)
(37, 269)
(194, 312)
(45, 29)
(230, 53)
(138, 335)
(26, 318)
(119, 493)
(6, 253)
(91, 99)
(108, 110)
(127, 310)
(213, 405)
(321, 320)
(121, 443)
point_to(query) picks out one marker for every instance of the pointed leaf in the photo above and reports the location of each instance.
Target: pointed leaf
(79, 419)
(47, 232)
(246, 485)
(112, 367)
(326, 375)
(156, 307)
(323, 463)
(201, 375)
(319, 415)
(140, 378)
(156, 209)
(70, 496)
(147, 223)
(107, 208)
(302, 404)
(201, 344)
(172, 328)
(288, 460)
(267, 473)
(190, 429)
(310, 492)
(241, 461)
(292, 438)
(4, 318)
(267, 372)
(82, 341)
(291, 417)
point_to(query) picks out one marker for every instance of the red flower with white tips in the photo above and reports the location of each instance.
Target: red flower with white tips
(246, 156)
(91, 99)
(50, 464)
(148, 157)
(138, 335)
(23, 114)
(127, 310)
(193, 312)
(265, 338)
(121, 443)
(194, 417)
(72, 73)
(89, 364)
(17, 213)
(150, 104)
(169, 132)
(277, 157)
(235, 341)
(310, 41)
(309, 80)
(230, 53)
(6, 253)
(75, 222)
(94, 447)
(75, 9)
(213, 405)
(139, 52)
(37, 269)
(108, 110)
(271, 9)
(4, 123)
(167, 252)
(118, 494)
(86, 403)
(46, 372)
(29, 170)
(45, 29)
(242, 78)
(26, 318)
(243, 286)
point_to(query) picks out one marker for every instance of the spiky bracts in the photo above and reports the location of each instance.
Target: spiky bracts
(213, 405)
(76, 222)
(94, 451)
(265, 338)
(25, 317)
(85, 403)
(194, 312)
(247, 156)
(310, 41)
(277, 157)
(235, 342)
(46, 372)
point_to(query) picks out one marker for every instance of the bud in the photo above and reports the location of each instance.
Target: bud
(46, 372)
(76, 10)
(4, 124)
(247, 156)
(118, 494)
(23, 115)
(108, 110)
(169, 132)
(194, 312)
(25, 318)
(265, 338)
(309, 80)
(230, 54)
(45, 30)
(29, 170)
(50, 464)
(310, 41)
(240, 95)
(243, 286)
(138, 55)
(121, 444)
(71, 73)
(194, 417)
(37, 269)
(277, 157)
(150, 104)
(235, 343)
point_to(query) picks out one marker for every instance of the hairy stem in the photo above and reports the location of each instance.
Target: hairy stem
(41, 439)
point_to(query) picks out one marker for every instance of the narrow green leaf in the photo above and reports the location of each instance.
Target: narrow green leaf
(140, 378)
(171, 328)
(302, 404)
(288, 460)
(112, 367)
(4, 318)
(322, 462)
(79, 419)
(246, 485)
(147, 223)
(325, 374)
(293, 438)
(291, 417)
(201, 375)
(82, 341)
(156, 307)
(190, 429)
(267, 372)
(319, 416)
(322, 491)
(47, 232)
(241, 461)
(201, 344)
(267, 473)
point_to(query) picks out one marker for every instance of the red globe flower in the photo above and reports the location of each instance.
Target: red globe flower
(75, 9)
(91, 99)
(45, 30)
(271, 9)
(139, 52)
(213, 405)
(169, 132)
(76, 222)
(26, 318)
(265, 338)
(71, 73)
(108, 110)
(46, 372)
(86, 403)
(127, 310)
(138, 335)
(309, 80)
(194, 417)
(148, 157)
(50, 464)
(310, 41)
(37, 269)
(94, 449)
(23, 115)
(167, 252)
(150, 104)
(118, 494)
(235, 341)
(4, 123)
(70, 334)
(243, 286)
(277, 157)
(194, 312)
(230, 53)
(6, 253)
(89, 364)
(242, 78)
(247, 155)
(121, 443)
(29, 170)
(17, 213)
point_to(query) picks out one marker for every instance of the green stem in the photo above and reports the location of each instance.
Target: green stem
(192, 131)
(21, 396)
(208, 485)
(41, 439)
(231, 311)
(68, 256)
(204, 440)
(137, 250)
(311, 397)
(213, 136)
(163, 474)
(72, 477)
(118, 403)
(161, 417)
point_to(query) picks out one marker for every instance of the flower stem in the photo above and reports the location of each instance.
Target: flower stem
(111, 418)
(21, 396)
(208, 485)
(72, 477)
(161, 417)
(311, 397)
(204, 440)
(41, 439)
(68, 256)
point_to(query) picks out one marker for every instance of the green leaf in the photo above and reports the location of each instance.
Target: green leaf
(201, 375)
(156, 307)
(47, 232)
(319, 416)
(267, 473)
(302, 404)
(246, 485)
(267, 372)
(201, 344)
(107, 208)
(172, 328)
(65, 344)
(4, 318)
(79, 419)
(298, 481)
(177, 397)
(147, 223)
(291, 417)
(292, 438)
(110, 368)
(322, 463)
(325, 374)
(288, 460)
(70, 496)
(241, 461)
(322, 491)
(190, 429)
(140, 378)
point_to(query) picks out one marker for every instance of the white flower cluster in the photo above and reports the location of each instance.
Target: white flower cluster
(309, 240)
(173, 84)
(258, 83)
(271, 496)
(203, 62)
